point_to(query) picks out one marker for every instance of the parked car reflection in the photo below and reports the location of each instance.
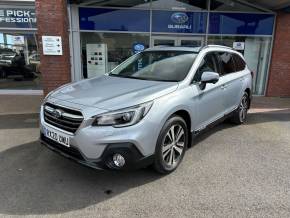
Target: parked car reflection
(34, 62)
(13, 66)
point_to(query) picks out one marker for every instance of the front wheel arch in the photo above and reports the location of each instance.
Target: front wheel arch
(187, 118)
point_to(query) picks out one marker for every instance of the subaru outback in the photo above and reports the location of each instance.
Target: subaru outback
(147, 110)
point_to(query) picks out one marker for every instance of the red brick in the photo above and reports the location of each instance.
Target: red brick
(52, 20)
(279, 75)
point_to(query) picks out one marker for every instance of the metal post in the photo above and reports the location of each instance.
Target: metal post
(207, 22)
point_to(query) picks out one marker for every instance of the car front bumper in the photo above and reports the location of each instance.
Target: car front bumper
(95, 146)
(133, 158)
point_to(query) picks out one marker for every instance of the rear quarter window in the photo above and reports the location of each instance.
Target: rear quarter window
(227, 63)
(240, 63)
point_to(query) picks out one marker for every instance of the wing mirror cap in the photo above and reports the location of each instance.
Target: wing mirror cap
(210, 77)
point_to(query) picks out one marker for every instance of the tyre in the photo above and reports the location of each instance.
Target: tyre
(240, 115)
(171, 145)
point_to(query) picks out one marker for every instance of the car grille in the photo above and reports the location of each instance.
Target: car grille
(62, 118)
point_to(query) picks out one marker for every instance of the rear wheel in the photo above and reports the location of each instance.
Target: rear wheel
(171, 145)
(240, 115)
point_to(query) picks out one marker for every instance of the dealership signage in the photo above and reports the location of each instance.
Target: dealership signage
(126, 20)
(52, 45)
(188, 22)
(239, 46)
(108, 19)
(17, 18)
(138, 47)
(178, 22)
(18, 40)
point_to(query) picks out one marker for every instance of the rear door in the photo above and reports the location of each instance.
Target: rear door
(232, 76)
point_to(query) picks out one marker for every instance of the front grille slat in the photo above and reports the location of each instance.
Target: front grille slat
(62, 121)
(72, 117)
(69, 129)
(63, 118)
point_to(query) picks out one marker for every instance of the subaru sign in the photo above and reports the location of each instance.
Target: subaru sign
(178, 22)
(138, 47)
(179, 18)
(239, 46)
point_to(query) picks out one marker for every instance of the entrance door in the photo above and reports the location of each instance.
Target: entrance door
(176, 41)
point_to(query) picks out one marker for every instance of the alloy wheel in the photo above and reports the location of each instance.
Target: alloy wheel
(243, 108)
(173, 145)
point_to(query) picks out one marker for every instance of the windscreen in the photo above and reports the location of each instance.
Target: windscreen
(170, 66)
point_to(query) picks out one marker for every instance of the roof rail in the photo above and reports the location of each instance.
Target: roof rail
(219, 46)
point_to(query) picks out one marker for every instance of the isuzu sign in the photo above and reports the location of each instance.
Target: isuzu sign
(17, 18)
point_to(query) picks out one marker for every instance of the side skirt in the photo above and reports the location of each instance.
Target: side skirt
(211, 125)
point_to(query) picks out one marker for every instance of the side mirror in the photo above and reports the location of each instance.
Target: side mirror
(209, 77)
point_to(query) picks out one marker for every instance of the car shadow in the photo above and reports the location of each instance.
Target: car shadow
(34, 180)
(282, 115)
(252, 119)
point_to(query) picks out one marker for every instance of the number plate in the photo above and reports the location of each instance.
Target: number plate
(57, 136)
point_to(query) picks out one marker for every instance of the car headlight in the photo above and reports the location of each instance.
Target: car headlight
(124, 117)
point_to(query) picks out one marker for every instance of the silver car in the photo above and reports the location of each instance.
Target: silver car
(147, 110)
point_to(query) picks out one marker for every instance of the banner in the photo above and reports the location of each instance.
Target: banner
(17, 18)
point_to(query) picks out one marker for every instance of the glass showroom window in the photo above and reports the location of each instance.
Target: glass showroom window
(19, 61)
(256, 52)
(117, 3)
(101, 52)
(231, 5)
(180, 5)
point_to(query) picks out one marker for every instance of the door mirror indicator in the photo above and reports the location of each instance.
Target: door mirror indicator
(208, 77)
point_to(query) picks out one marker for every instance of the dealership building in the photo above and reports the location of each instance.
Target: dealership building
(47, 43)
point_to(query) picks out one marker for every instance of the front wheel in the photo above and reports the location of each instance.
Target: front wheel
(240, 115)
(171, 145)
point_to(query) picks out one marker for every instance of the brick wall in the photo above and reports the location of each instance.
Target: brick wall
(52, 20)
(279, 75)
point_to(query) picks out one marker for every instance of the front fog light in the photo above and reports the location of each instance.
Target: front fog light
(118, 160)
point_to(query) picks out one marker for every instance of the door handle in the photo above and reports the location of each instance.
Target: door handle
(224, 86)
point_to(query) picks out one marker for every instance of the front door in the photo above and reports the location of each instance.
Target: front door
(176, 41)
(207, 102)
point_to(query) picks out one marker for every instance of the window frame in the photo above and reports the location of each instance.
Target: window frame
(214, 53)
(237, 56)
(221, 63)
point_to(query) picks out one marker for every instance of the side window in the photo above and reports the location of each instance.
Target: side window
(227, 62)
(209, 63)
(240, 63)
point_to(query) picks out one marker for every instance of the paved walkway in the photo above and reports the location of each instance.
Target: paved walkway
(19, 104)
